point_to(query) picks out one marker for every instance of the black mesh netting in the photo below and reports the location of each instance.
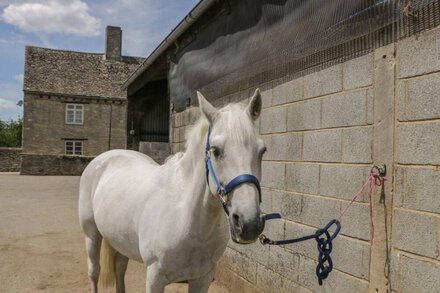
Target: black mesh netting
(250, 42)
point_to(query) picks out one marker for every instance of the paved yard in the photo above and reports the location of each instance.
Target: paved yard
(41, 243)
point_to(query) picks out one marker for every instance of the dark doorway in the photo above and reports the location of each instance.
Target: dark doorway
(148, 115)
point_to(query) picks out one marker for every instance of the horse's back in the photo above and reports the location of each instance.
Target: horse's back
(119, 158)
(108, 163)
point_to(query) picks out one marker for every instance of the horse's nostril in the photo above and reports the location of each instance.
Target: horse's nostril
(236, 220)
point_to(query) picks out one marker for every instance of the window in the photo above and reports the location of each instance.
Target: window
(74, 114)
(74, 147)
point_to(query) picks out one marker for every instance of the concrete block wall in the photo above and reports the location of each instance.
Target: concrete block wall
(320, 153)
(416, 217)
(158, 151)
(323, 132)
(180, 123)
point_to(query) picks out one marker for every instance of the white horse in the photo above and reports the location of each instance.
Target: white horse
(167, 216)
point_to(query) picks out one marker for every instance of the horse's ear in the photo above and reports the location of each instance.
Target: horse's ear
(207, 110)
(254, 106)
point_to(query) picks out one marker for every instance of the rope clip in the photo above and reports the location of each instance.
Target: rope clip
(264, 240)
(381, 169)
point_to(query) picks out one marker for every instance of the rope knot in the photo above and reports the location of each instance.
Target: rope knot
(325, 248)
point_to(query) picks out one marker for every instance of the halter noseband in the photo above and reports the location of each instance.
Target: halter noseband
(223, 191)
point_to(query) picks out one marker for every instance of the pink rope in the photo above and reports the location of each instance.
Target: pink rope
(374, 179)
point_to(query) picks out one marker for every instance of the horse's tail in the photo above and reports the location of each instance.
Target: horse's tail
(107, 275)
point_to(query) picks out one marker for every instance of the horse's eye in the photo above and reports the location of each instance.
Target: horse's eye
(215, 151)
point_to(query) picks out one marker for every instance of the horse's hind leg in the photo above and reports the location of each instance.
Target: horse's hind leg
(88, 225)
(93, 247)
(121, 263)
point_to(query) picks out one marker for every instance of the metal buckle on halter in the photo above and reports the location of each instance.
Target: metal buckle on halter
(223, 196)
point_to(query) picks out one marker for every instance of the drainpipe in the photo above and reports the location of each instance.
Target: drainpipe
(110, 127)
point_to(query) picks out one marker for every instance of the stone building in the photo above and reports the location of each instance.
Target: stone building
(345, 84)
(74, 107)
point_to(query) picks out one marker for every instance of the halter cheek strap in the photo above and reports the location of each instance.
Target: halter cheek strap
(223, 191)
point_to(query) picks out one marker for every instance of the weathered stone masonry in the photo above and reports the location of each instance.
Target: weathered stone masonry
(46, 127)
(10, 159)
(45, 132)
(54, 78)
(323, 132)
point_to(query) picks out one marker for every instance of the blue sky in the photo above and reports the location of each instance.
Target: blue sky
(76, 25)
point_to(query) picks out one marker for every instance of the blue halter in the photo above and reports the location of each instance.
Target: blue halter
(223, 191)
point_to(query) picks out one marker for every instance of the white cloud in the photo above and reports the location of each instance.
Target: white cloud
(7, 104)
(53, 16)
(19, 78)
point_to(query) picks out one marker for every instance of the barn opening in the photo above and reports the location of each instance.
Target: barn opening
(148, 114)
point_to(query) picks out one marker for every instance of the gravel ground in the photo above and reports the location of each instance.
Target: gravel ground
(41, 242)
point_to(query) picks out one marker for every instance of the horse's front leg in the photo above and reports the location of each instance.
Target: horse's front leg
(155, 281)
(201, 285)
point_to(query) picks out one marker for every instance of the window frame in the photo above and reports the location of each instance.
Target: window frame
(76, 107)
(75, 144)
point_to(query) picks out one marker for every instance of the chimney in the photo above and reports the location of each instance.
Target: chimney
(113, 43)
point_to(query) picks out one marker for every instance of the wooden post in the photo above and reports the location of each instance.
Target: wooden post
(383, 152)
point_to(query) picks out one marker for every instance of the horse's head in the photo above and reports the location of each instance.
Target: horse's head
(234, 148)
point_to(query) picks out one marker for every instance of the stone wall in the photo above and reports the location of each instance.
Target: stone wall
(45, 130)
(323, 132)
(10, 159)
(34, 164)
(158, 151)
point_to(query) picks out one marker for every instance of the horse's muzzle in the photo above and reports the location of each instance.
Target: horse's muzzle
(246, 232)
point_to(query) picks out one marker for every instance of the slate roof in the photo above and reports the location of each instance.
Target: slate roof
(76, 73)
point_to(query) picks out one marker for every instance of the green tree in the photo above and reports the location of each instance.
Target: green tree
(10, 133)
